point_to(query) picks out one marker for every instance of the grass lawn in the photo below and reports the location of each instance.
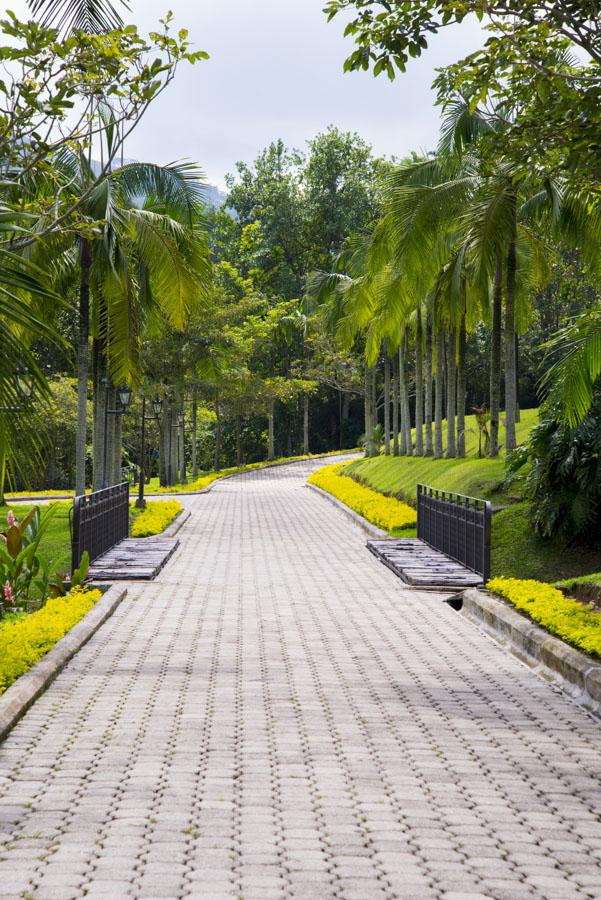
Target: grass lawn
(56, 543)
(516, 552)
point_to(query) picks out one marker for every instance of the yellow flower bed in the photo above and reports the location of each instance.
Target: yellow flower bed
(23, 642)
(568, 619)
(386, 512)
(155, 518)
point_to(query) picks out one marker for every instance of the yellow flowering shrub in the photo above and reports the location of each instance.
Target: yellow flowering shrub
(24, 641)
(155, 518)
(570, 620)
(386, 512)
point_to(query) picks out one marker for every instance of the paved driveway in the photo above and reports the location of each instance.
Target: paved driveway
(276, 717)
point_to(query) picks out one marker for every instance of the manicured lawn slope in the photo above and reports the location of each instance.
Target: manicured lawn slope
(516, 550)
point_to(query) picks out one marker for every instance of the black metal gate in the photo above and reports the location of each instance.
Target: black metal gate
(456, 525)
(100, 520)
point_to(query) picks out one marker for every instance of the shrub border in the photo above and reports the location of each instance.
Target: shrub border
(574, 672)
(18, 698)
(372, 530)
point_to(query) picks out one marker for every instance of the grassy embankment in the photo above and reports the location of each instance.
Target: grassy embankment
(516, 552)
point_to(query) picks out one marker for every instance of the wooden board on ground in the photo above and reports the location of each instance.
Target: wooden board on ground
(419, 565)
(134, 559)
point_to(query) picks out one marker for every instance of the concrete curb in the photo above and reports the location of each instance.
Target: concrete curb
(15, 701)
(370, 529)
(177, 524)
(574, 672)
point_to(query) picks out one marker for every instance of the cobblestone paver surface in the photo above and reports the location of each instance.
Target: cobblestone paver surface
(276, 717)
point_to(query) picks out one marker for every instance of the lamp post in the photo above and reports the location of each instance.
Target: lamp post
(124, 395)
(157, 404)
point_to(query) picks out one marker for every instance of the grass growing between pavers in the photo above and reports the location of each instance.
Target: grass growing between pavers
(564, 617)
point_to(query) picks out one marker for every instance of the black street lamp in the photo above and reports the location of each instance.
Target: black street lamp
(124, 395)
(157, 405)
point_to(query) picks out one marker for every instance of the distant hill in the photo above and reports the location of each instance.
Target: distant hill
(214, 197)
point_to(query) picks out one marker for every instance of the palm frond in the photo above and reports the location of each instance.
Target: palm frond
(89, 16)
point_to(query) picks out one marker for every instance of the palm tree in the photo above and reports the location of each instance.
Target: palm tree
(148, 257)
(90, 16)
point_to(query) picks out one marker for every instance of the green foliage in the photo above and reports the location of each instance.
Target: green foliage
(19, 558)
(564, 483)
(527, 63)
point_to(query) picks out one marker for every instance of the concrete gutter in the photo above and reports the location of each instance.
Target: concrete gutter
(15, 701)
(370, 529)
(574, 672)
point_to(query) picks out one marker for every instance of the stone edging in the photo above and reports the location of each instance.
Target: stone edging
(17, 699)
(177, 524)
(557, 662)
(371, 529)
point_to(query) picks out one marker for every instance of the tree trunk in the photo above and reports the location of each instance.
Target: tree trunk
(194, 436)
(461, 390)
(518, 415)
(387, 404)
(217, 435)
(451, 393)
(346, 402)
(163, 461)
(117, 455)
(495, 358)
(395, 406)
(440, 362)
(306, 424)
(370, 417)
(98, 391)
(239, 455)
(406, 405)
(83, 362)
(270, 430)
(402, 392)
(510, 369)
(419, 387)
(2, 476)
(429, 450)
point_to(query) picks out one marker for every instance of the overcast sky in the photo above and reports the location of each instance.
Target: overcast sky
(276, 71)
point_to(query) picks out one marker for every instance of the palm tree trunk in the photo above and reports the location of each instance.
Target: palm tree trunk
(440, 362)
(117, 456)
(271, 431)
(306, 424)
(428, 390)
(194, 435)
(406, 405)
(461, 389)
(495, 358)
(451, 393)
(402, 391)
(419, 387)
(395, 406)
(517, 379)
(510, 369)
(83, 362)
(2, 476)
(217, 434)
(98, 407)
(386, 404)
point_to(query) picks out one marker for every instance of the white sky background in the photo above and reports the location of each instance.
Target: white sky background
(276, 71)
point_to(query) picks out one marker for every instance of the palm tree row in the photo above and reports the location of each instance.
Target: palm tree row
(460, 241)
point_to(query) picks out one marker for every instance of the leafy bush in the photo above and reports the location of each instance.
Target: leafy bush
(20, 562)
(24, 641)
(570, 620)
(382, 511)
(564, 482)
(155, 518)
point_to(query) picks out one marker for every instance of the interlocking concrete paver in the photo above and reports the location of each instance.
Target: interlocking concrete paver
(276, 717)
